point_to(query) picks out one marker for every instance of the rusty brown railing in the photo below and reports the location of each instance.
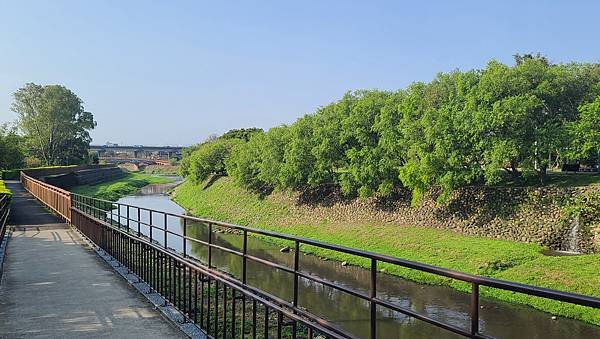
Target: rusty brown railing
(57, 199)
(228, 306)
(104, 219)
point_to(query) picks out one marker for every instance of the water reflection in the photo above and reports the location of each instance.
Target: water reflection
(497, 319)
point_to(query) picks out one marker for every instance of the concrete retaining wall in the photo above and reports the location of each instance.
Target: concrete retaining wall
(531, 214)
(84, 177)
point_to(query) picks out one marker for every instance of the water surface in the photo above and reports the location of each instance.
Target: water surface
(497, 319)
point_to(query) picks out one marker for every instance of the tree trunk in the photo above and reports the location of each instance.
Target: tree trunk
(542, 174)
(514, 171)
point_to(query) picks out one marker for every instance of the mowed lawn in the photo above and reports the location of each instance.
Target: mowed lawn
(508, 260)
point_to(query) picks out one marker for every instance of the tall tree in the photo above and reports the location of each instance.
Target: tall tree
(12, 153)
(54, 122)
(586, 132)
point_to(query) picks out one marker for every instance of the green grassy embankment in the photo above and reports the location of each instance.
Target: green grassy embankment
(162, 169)
(507, 260)
(116, 189)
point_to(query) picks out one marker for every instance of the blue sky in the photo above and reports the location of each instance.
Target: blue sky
(173, 72)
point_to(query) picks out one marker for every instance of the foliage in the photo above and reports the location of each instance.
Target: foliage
(586, 131)
(462, 128)
(12, 150)
(508, 260)
(209, 159)
(116, 189)
(242, 133)
(3, 189)
(256, 165)
(54, 122)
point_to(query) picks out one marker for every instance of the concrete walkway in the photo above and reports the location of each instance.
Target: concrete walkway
(54, 286)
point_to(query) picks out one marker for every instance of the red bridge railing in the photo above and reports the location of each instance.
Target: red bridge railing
(53, 197)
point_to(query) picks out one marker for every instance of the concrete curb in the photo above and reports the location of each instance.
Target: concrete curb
(167, 310)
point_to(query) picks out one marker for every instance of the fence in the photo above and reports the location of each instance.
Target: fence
(53, 197)
(4, 212)
(219, 305)
(225, 306)
(108, 223)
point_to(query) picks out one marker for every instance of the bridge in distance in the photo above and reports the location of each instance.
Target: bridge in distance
(137, 151)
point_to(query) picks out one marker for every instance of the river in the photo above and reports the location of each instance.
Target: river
(497, 319)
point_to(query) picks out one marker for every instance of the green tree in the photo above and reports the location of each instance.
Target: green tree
(437, 135)
(521, 113)
(209, 159)
(242, 133)
(12, 150)
(54, 122)
(585, 132)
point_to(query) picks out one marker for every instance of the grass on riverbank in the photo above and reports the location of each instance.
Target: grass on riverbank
(162, 169)
(500, 259)
(116, 189)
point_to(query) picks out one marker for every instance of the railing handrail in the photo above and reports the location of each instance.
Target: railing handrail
(570, 297)
(226, 279)
(4, 214)
(59, 203)
(46, 185)
(77, 200)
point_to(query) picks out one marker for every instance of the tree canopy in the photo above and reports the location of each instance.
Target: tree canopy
(55, 125)
(12, 152)
(462, 128)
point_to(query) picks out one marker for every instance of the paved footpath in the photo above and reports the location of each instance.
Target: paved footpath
(54, 286)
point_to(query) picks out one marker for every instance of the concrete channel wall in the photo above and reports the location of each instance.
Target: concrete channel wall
(84, 177)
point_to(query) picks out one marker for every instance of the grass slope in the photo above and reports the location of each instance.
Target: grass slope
(161, 169)
(501, 259)
(115, 189)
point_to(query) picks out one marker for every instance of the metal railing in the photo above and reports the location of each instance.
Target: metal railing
(57, 199)
(219, 305)
(4, 213)
(115, 227)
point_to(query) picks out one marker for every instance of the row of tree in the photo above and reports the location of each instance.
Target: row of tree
(462, 128)
(52, 129)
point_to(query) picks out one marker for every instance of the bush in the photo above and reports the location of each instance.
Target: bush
(209, 159)
(3, 189)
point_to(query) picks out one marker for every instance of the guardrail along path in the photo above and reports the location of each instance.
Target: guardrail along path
(55, 286)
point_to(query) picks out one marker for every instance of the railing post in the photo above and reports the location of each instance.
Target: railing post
(296, 262)
(209, 244)
(474, 309)
(184, 238)
(165, 225)
(244, 258)
(150, 224)
(372, 295)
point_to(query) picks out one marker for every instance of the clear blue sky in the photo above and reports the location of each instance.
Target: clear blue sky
(174, 72)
